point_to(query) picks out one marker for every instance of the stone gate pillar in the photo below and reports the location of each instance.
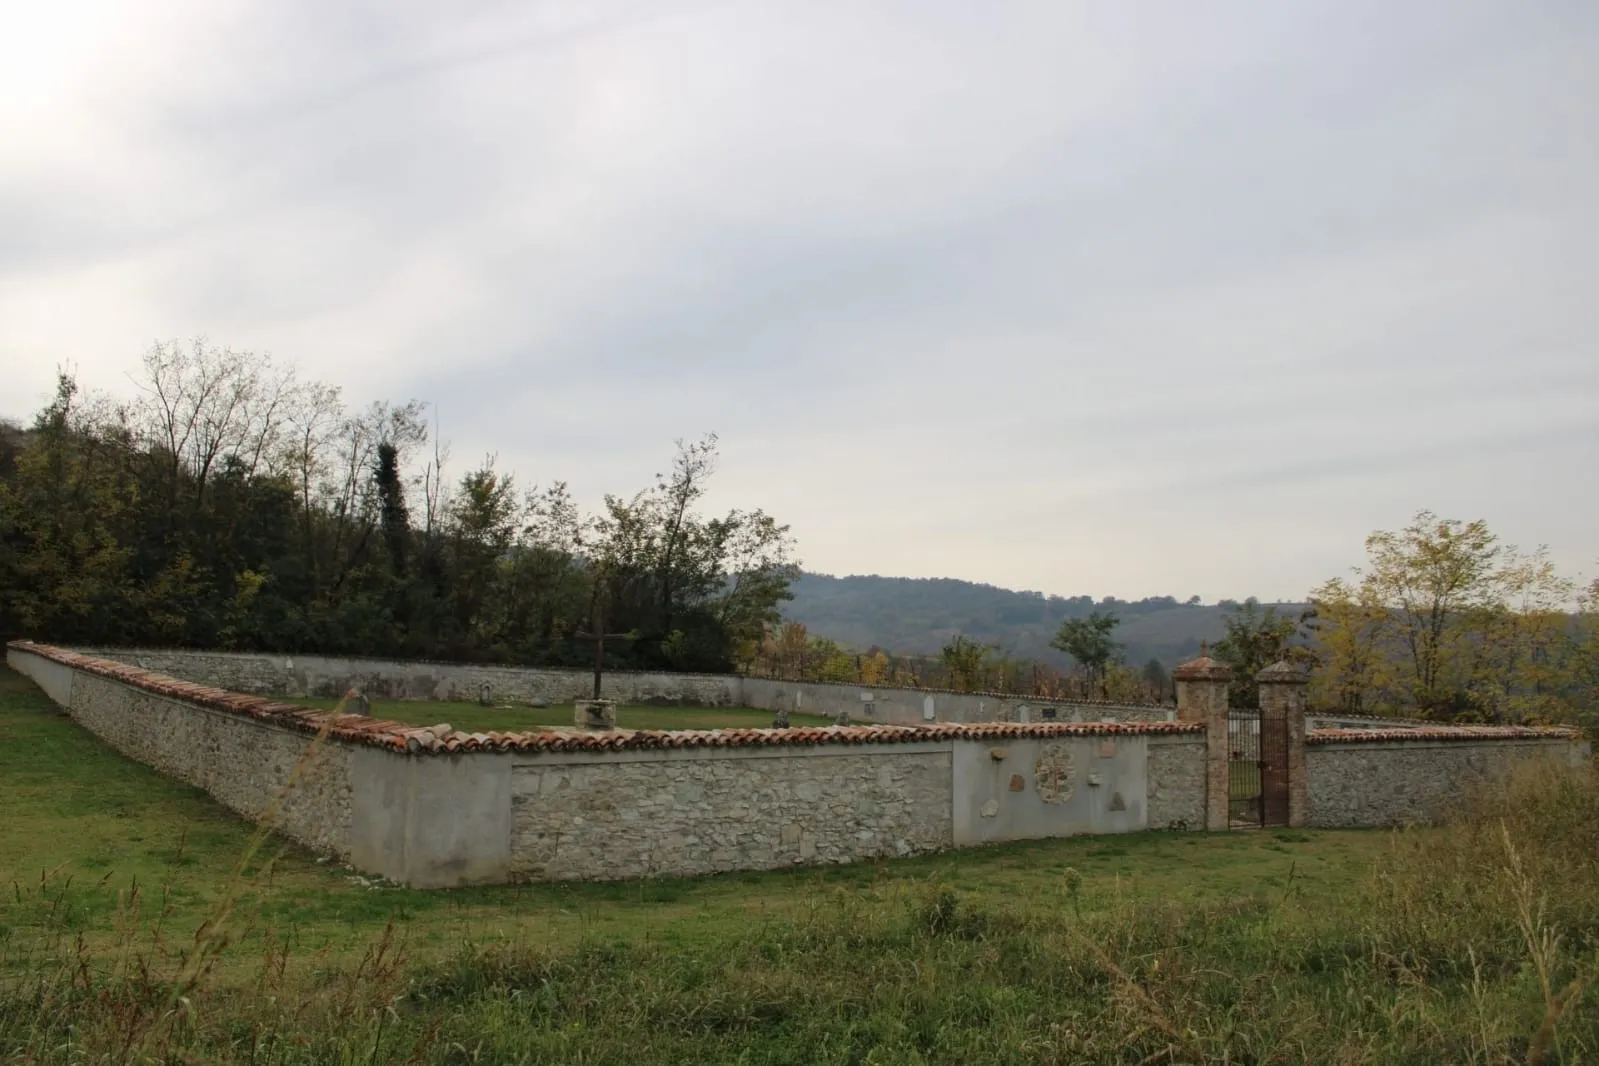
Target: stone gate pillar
(1282, 696)
(1202, 697)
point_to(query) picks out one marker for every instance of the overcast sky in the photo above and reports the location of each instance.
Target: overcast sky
(1120, 298)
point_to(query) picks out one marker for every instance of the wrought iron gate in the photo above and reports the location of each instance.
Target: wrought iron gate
(1257, 769)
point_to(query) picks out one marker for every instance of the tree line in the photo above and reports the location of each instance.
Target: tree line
(963, 664)
(1443, 622)
(234, 505)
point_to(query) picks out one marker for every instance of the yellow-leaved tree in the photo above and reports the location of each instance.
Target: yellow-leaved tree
(1446, 622)
(1353, 672)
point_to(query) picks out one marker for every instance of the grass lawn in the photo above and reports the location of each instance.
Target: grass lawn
(475, 718)
(123, 926)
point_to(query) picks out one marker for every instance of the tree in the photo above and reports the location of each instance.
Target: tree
(1524, 653)
(1350, 628)
(1446, 622)
(1156, 677)
(963, 662)
(1088, 641)
(1437, 579)
(234, 506)
(1255, 639)
(393, 516)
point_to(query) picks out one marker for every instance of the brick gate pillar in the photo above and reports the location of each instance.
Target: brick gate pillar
(1282, 696)
(1202, 697)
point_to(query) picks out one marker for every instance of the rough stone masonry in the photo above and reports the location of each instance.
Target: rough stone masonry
(435, 807)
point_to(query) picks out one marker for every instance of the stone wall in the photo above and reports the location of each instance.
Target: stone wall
(1175, 782)
(332, 676)
(1333, 720)
(903, 706)
(434, 807)
(705, 811)
(1400, 782)
(244, 764)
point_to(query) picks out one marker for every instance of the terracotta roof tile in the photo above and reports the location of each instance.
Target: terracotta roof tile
(440, 738)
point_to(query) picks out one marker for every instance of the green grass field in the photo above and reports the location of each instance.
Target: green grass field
(131, 933)
(474, 718)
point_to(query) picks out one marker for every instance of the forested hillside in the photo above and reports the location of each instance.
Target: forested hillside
(918, 615)
(233, 505)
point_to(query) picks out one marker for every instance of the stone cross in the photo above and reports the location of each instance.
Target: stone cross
(599, 636)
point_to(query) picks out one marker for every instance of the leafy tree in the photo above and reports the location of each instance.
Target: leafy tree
(1436, 577)
(1447, 622)
(1088, 640)
(963, 661)
(1157, 678)
(1255, 639)
(1351, 628)
(232, 505)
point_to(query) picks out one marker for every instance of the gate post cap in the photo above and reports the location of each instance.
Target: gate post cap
(1203, 668)
(1283, 672)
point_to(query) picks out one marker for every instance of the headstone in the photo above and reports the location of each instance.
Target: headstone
(780, 719)
(594, 715)
(843, 717)
(357, 703)
(485, 694)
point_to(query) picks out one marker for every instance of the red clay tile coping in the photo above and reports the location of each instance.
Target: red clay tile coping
(398, 736)
(1440, 732)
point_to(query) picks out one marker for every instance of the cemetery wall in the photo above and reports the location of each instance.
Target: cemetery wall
(434, 808)
(332, 676)
(1364, 783)
(904, 706)
(698, 811)
(244, 763)
(276, 674)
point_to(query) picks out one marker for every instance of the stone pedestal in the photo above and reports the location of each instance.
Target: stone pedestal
(1202, 697)
(596, 715)
(1282, 696)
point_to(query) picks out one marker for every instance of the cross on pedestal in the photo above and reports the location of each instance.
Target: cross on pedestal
(599, 637)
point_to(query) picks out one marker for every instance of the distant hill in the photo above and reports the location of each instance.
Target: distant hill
(903, 614)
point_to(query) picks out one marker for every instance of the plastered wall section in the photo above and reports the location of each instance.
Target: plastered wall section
(245, 765)
(675, 813)
(1386, 784)
(1031, 788)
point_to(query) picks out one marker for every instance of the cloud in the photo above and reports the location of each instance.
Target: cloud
(1087, 297)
